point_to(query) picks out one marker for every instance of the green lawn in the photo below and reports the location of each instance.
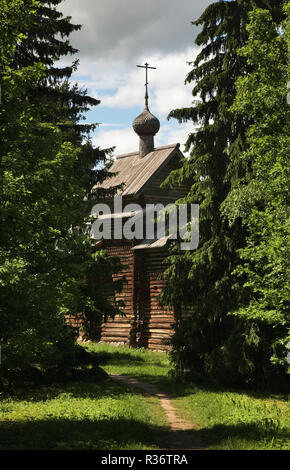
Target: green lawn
(227, 419)
(80, 414)
(96, 413)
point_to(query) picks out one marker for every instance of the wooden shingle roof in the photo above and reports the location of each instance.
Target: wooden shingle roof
(135, 172)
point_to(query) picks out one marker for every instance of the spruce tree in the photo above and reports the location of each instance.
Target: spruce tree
(65, 104)
(46, 175)
(46, 42)
(261, 198)
(207, 341)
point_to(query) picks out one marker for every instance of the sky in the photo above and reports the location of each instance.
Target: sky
(118, 35)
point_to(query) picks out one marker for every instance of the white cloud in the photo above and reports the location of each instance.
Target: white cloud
(124, 88)
(125, 140)
(166, 84)
(118, 35)
(122, 30)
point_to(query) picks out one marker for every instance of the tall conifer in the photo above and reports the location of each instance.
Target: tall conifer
(47, 42)
(207, 341)
(46, 174)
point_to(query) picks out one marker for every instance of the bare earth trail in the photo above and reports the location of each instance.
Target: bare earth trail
(181, 434)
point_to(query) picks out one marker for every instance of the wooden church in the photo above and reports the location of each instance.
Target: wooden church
(144, 322)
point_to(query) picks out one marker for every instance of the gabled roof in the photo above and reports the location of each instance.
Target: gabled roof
(134, 172)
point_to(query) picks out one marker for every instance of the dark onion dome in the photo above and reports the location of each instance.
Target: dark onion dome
(146, 123)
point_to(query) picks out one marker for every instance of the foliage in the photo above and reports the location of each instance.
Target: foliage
(45, 253)
(261, 198)
(64, 104)
(208, 342)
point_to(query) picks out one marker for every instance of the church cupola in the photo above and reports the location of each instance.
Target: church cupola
(146, 125)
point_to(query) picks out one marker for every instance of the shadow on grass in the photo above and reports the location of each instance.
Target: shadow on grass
(177, 387)
(52, 432)
(66, 434)
(180, 386)
(97, 433)
(118, 434)
(83, 386)
(117, 357)
(252, 433)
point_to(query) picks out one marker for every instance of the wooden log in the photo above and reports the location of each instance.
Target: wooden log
(150, 334)
(159, 347)
(113, 326)
(159, 342)
(162, 318)
(115, 339)
(165, 325)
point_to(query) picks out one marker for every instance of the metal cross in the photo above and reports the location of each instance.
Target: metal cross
(146, 66)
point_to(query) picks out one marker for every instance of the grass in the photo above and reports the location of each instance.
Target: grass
(232, 420)
(226, 419)
(97, 413)
(147, 365)
(79, 415)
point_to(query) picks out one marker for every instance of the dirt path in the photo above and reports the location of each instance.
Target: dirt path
(182, 434)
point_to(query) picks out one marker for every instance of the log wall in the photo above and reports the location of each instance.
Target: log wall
(158, 319)
(143, 322)
(146, 323)
(117, 330)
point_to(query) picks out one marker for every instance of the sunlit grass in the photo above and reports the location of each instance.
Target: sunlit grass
(227, 419)
(97, 413)
(142, 363)
(80, 415)
(237, 420)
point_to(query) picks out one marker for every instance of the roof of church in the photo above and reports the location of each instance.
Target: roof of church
(134, 172)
